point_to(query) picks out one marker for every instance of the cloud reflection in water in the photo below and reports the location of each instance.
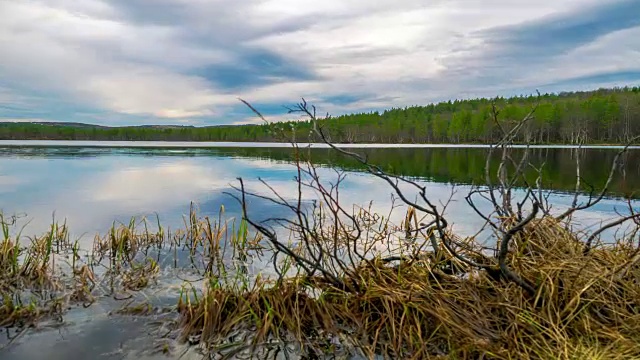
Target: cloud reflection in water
(93, 192)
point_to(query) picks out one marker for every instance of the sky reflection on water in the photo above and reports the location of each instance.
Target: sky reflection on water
(92, 192)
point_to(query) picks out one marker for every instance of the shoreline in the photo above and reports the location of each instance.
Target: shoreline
(230, 144)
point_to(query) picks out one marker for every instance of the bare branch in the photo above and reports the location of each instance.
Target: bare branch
(591, 202)
(589, 242)
(504, 250)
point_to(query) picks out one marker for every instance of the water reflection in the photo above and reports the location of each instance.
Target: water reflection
(462, 165)
(92, 187)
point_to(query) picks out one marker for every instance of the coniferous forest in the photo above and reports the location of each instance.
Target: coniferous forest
(604, 116)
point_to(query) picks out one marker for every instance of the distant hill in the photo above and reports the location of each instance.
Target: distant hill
(85, 125)
(599, 116)
(165, 126)
(56, 123)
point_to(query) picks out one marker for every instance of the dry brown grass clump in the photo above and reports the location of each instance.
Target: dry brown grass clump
(41, 276)
(587, 306)
(27, 275)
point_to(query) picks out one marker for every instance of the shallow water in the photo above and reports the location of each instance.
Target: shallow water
(91, 184)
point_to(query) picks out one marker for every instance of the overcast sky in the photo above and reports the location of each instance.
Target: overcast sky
(118, 62)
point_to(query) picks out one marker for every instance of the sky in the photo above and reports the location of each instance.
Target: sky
(129, 62)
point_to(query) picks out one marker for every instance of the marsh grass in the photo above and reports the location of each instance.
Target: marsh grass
(586, 307)
(44, 276)
(27, 273)
(433, 306)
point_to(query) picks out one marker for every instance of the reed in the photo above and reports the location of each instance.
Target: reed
(431, 305)
(42, 276)
(587, 307)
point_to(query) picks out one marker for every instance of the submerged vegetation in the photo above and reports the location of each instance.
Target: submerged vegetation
(603, 116)
(329, 280)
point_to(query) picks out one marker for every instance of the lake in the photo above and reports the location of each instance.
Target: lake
(93, 184)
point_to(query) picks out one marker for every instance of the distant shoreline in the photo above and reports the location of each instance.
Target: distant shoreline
(599, 118)
(237, 144)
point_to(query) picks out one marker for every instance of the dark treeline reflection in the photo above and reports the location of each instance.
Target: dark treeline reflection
(446, 165)
(467, 165)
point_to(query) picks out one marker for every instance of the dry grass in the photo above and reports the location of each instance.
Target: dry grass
(42, 276)
(587, 307)
(27, 274)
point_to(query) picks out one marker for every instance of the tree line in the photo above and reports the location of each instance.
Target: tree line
(599, 116)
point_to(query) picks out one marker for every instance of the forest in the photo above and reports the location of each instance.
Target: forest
(603, 116)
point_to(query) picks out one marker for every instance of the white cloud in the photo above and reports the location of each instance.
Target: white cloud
(617, 51)
(8, 97)
(148, 59)
(119, 67)
(144, 90)
(403, 52)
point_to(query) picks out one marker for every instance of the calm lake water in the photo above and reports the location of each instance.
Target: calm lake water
(91, 185)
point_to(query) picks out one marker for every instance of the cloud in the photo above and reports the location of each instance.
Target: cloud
(254, 67)
(615, 78)
(553, 49)
(122, 62)
(101, 63)
(555, 34)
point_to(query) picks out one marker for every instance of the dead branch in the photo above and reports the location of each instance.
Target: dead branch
(620, 221)
(504, 250)
(593, 201)
(328, 262)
